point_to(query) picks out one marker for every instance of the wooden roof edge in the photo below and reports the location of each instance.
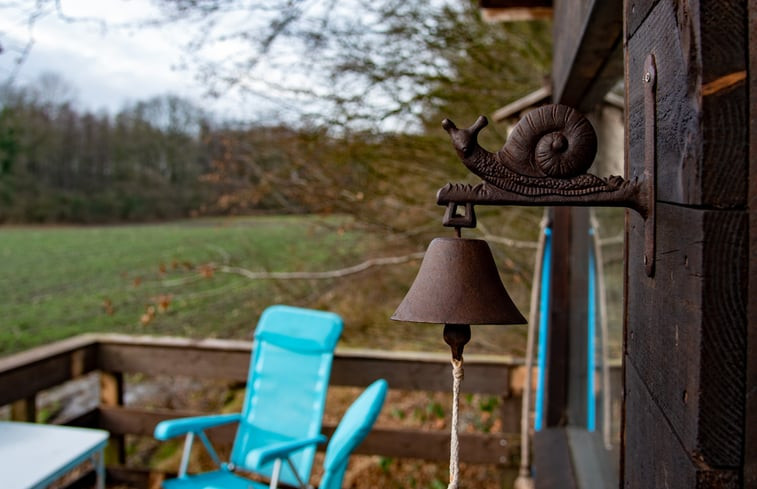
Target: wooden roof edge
(522, 103)
(515, 14)
(541, 95)
(615, 100)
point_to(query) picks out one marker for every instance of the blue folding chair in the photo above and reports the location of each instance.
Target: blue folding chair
(353, 428)
(287, 382)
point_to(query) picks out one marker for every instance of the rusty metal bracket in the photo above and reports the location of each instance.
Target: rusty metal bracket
(650, 160)
(544, 163)
(454, 219)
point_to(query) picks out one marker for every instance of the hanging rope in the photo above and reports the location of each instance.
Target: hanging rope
(454, 446)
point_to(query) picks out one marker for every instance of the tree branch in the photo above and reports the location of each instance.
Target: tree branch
(341, 272)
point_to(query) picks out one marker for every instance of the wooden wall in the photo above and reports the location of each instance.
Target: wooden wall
(686, 327)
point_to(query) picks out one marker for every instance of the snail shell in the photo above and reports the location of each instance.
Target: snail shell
(550, 141)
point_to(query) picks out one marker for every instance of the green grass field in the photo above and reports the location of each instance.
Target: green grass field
(159, 279)
(169, 279)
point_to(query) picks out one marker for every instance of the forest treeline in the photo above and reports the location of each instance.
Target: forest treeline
(165, 158)
(156, 159)
(62, 164)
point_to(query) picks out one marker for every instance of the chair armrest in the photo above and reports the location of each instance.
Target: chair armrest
(181, 426)
(263, 455)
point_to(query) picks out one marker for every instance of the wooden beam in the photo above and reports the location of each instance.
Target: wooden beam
(513, 109)
(230, 361)
(578, 321)
(658, 460)
(528, 4)
(24, 374)
(702, 122)
(175, 359)
(112, 395)
(516, 14)
(406, 443)
(24, 410)
(408, 372)
(558, 339)
(686, 327)
(587, 58)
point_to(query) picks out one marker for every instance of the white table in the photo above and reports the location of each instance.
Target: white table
(32, 456)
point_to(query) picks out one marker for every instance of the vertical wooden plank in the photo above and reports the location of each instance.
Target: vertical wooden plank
(578, 295)
(558, 339)
(723, 39)
(635, 13)
(24, 409)
(658, 461)
(686, 327)
(111, 394)
(584, 67)
(565, 379)
(701, 100)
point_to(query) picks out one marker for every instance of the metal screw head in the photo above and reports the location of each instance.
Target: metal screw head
(647, 77)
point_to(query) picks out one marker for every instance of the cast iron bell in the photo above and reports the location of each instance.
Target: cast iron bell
(458, 285)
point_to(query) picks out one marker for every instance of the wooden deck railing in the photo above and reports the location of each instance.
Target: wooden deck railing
(24, 375)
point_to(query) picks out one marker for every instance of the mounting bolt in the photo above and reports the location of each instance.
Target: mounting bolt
(503, 442)
(647, 77)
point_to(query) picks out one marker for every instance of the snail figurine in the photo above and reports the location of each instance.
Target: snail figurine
(548, 152)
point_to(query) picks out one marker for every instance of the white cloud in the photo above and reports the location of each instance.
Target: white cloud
(107, 67)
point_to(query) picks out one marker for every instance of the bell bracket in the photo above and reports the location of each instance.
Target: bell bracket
(544, 163)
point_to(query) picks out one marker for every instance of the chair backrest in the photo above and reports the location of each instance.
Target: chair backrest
(287, 383)
(353, 428)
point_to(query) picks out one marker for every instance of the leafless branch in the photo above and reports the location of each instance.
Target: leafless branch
(341, 272)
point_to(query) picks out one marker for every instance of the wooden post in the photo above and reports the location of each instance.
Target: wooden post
(24, 409)
(685, 340)
(565, 387)
(111, 395)
(558, 341)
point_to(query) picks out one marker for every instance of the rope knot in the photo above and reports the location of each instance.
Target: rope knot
(457, 369)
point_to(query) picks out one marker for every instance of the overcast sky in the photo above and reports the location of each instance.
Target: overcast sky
(107, 67)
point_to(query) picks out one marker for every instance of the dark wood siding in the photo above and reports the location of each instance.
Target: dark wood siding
(686, 326)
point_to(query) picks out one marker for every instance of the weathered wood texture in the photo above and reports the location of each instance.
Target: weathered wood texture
(577, 294)
(685, 335)
(750, 436)
(514, 3)
(26, 373)
(558, 340)
(405, 443)
(111, 395)
(24, 409)
(686, 326)
(116, 355)
(701, 101)
(230, 361)
(657, 460)
(587, 58)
